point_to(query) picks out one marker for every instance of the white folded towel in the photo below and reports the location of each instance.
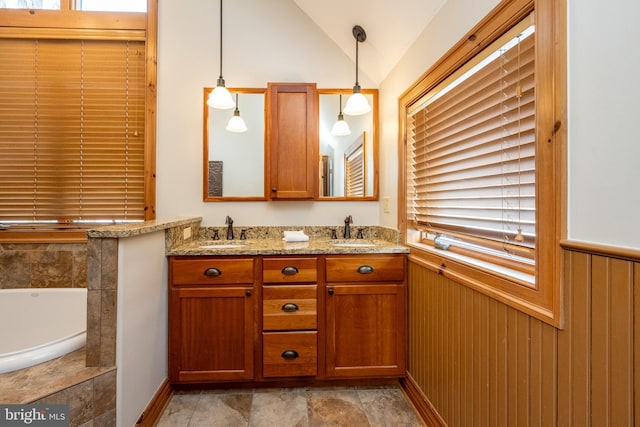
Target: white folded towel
(295, 236)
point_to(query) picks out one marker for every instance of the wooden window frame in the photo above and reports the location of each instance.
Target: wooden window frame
(65, 23)
(540, 294)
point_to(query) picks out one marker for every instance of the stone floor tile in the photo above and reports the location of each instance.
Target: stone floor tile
(336, 408)
(179, 411)
(387, 407)
(284, 408)
(296, 407)
(215, 409)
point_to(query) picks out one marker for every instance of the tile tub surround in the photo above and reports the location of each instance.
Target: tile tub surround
(302, 406)
(43, 265)
(90, 392)
(102, 276)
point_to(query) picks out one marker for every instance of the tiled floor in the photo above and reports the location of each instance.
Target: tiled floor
(299, 407)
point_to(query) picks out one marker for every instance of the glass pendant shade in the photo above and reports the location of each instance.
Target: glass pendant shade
(220, 98)
(357, 105)
(236, 123)
(340, 128)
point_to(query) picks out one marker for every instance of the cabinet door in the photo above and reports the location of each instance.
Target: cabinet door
(211, 334)
(293, 140)
(365, 330)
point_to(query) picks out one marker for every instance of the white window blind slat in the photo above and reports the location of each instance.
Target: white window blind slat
(471, 158)
(355, 170)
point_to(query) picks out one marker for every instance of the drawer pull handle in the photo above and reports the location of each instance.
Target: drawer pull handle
(289, 307)
(212, 272)
(365, 269)
(290, 354)
(289, 270)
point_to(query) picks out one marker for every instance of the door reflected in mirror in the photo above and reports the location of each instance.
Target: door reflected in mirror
(348, 168)
(234, 161)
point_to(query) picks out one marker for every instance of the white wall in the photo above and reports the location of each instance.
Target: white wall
(141, 339)
(444, 30)
(604, 115)
(263, 41)
(604, 112)
(275, 41)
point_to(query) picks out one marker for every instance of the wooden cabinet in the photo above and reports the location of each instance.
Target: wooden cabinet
(211, 320)
(292, 140)
(266, 318)
(365, 316)
(290, 317)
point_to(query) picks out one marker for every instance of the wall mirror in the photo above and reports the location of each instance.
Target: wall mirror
(349, 163)
(234, 163)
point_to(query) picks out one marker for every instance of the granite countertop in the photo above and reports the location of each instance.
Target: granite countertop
(119, 231)
(279, 247)
(260, 240)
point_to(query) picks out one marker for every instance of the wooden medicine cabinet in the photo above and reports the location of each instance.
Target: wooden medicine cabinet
(289, 147)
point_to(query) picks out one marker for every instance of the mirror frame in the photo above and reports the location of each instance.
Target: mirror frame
(345, 92)
(375, 145)
(205, 159)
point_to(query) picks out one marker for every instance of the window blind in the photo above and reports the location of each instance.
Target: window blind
(354, 168)
(471, 156)
(71, 131)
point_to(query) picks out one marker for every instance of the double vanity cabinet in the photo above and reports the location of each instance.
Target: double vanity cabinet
(283, 317)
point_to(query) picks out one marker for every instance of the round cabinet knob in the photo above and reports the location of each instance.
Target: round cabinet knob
(330, 291)
(274, 189)
(248, 293)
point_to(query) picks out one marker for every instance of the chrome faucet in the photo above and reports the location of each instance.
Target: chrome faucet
(229, 223)
(347, 228)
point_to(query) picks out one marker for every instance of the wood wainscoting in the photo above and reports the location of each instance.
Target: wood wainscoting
(482, 363)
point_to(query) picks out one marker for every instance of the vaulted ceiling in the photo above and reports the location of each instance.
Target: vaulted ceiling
(391, 27)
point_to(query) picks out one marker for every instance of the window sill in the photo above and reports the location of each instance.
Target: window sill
(518, 277)
(43, 236)
(511, 287)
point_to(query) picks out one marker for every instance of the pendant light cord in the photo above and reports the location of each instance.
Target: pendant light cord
(357, 84)
(220, 38)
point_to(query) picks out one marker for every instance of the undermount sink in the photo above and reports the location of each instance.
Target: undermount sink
(221, 245)
(354, 244)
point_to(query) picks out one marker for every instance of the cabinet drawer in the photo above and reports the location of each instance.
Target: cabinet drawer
(363, 268)
(289, 307)
(290, 270)
(290, 354)
(212, 271)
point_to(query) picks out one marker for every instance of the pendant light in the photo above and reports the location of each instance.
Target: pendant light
(236, 123)
(340, 128)
(357, 103)
(220, 96)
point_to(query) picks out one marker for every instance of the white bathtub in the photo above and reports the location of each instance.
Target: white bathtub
(37, 325)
